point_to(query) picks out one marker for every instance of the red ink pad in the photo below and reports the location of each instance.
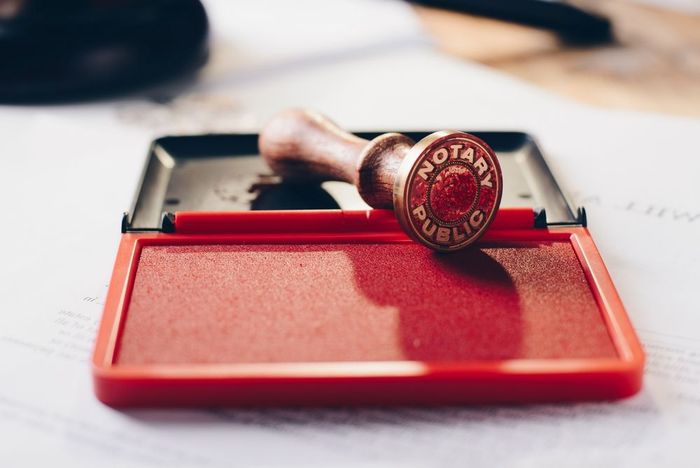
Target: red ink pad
(359, 302)
(316, 307)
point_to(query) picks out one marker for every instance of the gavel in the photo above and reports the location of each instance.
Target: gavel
(445, 189)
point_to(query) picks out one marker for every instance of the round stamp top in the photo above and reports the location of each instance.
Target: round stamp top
(448, 190)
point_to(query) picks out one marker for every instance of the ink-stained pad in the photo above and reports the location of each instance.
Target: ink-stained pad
(233, 288)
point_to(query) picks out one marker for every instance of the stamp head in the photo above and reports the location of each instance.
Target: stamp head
(447, 190)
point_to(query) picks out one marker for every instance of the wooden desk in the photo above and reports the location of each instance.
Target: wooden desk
(654, 66)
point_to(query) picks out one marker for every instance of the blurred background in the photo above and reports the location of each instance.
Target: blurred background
(609, 89)
(629, 54)
(651, 60)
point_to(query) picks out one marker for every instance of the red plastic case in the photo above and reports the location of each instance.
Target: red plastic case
(367, 316)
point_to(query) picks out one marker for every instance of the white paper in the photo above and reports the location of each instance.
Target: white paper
(67, 172)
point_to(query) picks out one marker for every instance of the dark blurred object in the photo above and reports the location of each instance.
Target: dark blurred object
(291, 196)
(76, 49)
(572, 24)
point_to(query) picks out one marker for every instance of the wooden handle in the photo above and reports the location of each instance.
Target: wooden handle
(445, 189)
(303, 145)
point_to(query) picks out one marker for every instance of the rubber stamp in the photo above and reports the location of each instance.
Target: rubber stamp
(445, 190)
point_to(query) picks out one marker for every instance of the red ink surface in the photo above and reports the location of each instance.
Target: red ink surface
(359, 302)
(452, 193)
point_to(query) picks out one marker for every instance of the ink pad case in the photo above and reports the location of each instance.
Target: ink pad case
(232, 287)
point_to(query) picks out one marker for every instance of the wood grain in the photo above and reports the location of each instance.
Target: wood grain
(303, 145)
(300, 144)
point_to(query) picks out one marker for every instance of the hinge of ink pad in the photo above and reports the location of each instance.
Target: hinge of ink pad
(541, 222)
(167, 224)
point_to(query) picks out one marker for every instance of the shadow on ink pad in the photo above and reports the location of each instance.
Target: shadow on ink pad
(251, 303)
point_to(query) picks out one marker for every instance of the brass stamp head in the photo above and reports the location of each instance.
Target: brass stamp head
(447, 190)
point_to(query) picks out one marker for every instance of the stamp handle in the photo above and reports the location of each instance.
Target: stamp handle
(300, 144)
